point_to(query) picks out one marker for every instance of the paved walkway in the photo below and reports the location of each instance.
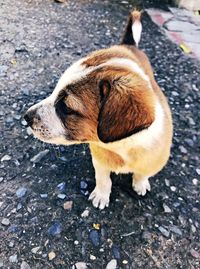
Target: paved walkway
(181, 26)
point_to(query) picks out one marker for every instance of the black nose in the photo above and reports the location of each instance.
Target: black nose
(29, 116)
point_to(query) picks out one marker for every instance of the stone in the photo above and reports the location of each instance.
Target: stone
(14, 229)
(35, 250)
(94, 237)
(85, 213)
(183, 149)
(24, 123)
(83, 185)
(55, 229)
(163, 231)
(68, 205)
(43, 195)
(166, 209)
(9, 120)
(1, 263)
(61, 196)
(5, 221)
(198, 171)
(11, 244)
(29, 131)
(80, 265)
(38, 157)
(13, 258)
(167, 182)
(112, 264)
(61, 186)
(51, 255)
(6, 158)
(191, 121)
(176, 230)
(195, 254)
(195, 181)
(116, 252)
(24, 265)
(173, 188)
(92, 257)
(21, 192)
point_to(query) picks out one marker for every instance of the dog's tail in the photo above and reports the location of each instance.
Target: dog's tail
(133, 29)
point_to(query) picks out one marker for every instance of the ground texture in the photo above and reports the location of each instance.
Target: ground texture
(42, 198)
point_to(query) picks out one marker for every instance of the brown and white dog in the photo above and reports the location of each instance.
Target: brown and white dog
(110, 100)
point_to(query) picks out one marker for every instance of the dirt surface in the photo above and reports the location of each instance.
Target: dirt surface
(38, 41)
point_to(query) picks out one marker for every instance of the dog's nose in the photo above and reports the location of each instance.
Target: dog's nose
(29, 117)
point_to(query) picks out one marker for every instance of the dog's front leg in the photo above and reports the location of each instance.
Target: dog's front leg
(101, 194)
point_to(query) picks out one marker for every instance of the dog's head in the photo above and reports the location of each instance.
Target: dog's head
(103, 97)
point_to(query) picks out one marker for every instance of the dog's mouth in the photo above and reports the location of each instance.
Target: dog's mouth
(41, 133)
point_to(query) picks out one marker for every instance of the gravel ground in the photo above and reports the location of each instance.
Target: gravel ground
(46, 220)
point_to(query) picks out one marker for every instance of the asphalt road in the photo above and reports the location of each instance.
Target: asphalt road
(42, 198)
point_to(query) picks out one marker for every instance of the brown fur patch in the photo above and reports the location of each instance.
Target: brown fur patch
(129, 106)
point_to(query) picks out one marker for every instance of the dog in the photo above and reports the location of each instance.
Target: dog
(110, 100)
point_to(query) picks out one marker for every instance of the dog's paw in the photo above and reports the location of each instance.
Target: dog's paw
(100, 199)
(141, 186)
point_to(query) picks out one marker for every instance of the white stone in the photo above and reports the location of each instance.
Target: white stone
(112, 264)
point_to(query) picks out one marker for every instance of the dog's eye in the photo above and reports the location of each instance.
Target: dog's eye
(62, 110)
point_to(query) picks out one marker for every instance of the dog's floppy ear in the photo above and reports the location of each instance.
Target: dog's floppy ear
(124, 111)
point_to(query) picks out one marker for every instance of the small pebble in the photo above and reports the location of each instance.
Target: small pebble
(14, 229)
(80, 265)
(1, 263)
(167, 182)
(166, 209)
(198, 171)
(61, 196)
(76, 242)
(112, 264)
(6, 158)
(21, 192)
(61, 186)
(35, 250)
(83, 185)
(55, 229)
(195, 181)
(176, 230)
(51, 255)
(13, 258)
(29, 131)
(193, 228)
(94, 237)
(92, 257)
(195, 254)
(68, 205)
(173, 188)
(1, 179)
(37, 158)
(96, 226)
(163, 231)
(183, 149)
(24, 265)
(43, 195)
(85, 213)
(24, 123)
(125, 262)
(11, 244)
(19, 206)
(5, 221)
